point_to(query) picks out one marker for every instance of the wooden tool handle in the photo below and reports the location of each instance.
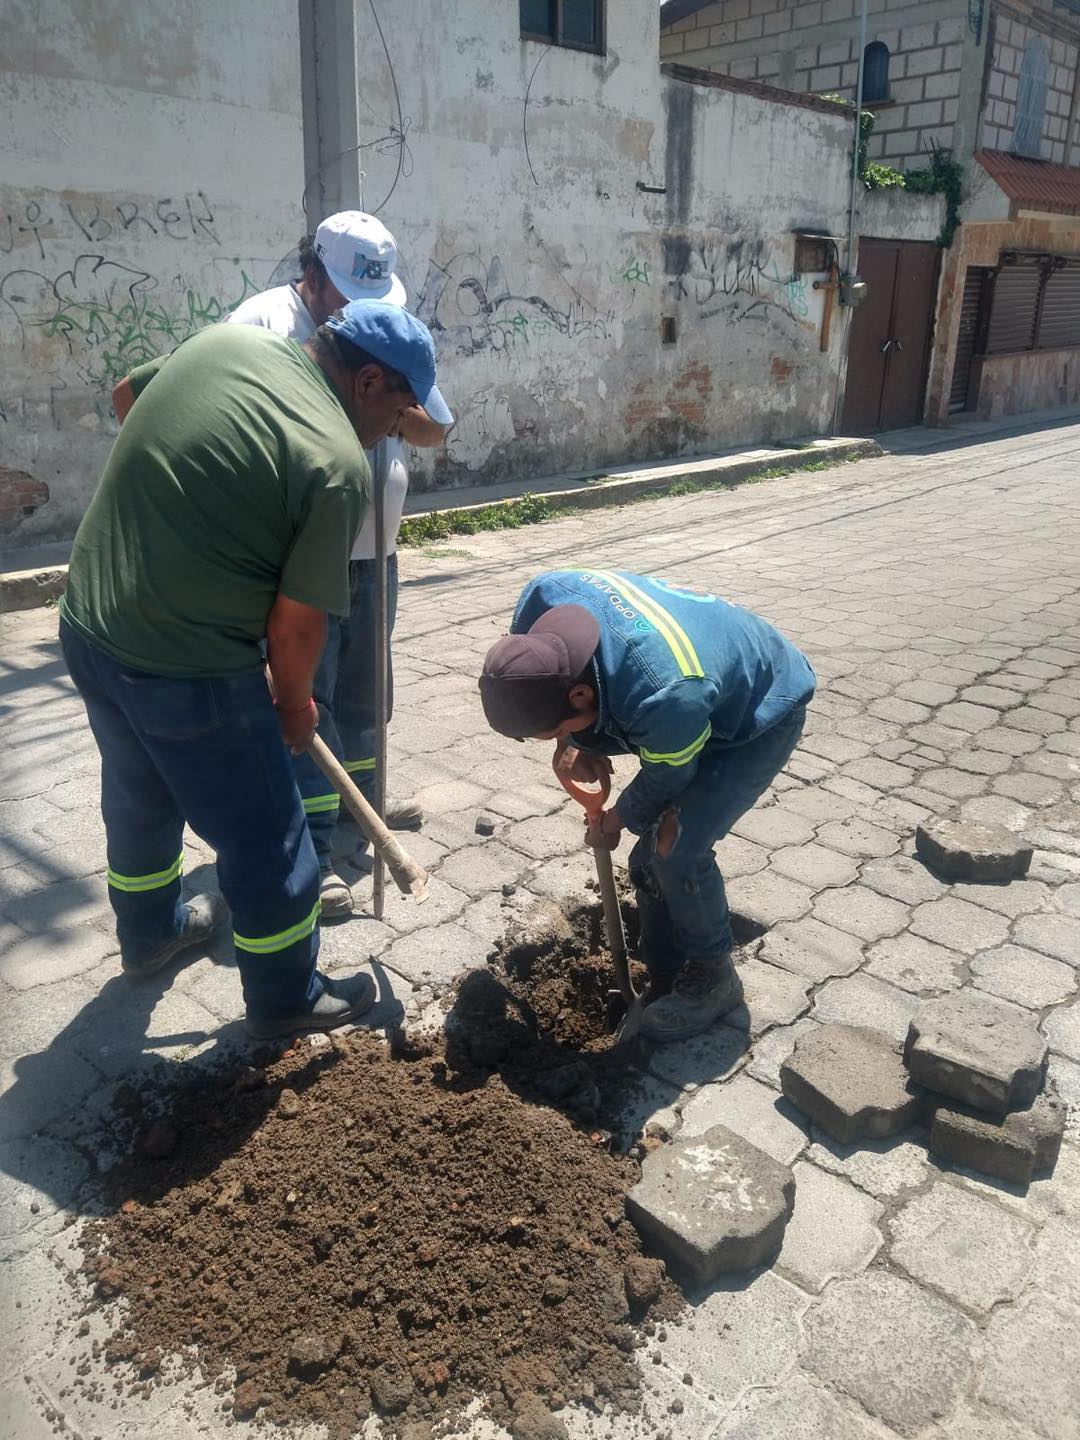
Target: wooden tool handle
(408, 876)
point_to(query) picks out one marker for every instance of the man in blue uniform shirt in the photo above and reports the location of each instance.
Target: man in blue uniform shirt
(709, 697)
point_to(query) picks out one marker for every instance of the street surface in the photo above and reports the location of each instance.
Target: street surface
(938, 596)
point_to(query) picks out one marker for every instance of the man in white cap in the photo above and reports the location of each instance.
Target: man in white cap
(351, 256)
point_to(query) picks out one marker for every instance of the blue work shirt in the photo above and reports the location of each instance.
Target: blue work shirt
(674, 673)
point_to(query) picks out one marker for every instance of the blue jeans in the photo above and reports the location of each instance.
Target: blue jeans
(206, 751)
(345, 693)
(682, 906)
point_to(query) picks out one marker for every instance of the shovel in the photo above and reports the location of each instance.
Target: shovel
(593, 802)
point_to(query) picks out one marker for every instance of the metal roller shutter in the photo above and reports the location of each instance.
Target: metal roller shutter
(1059, 322)
(1012, 316)
(966, 337)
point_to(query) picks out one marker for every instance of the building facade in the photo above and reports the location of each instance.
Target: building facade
(994, 85)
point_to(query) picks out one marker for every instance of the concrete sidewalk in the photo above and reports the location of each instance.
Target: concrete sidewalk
(938, 596)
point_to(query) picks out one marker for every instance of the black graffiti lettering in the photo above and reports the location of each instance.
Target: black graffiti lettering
(35, 225)
(169, 218)
(203, 221)
(96, 228)
(128, 210)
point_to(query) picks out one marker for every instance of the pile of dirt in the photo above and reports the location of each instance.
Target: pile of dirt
(366, 1228)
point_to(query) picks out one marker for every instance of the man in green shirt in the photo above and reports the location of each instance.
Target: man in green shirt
(224, 522)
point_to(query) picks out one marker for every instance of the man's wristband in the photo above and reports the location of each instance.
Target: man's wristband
(294, 710)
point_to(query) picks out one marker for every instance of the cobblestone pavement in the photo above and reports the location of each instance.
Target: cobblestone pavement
(938, 595)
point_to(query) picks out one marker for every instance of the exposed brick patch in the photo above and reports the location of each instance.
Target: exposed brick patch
(20, 495)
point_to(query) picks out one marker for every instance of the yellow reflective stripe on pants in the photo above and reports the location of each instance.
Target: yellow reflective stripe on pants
(351, 766)
(321, 804)
(135, 884)
(268, 944)
(679, 757)
(678, 641)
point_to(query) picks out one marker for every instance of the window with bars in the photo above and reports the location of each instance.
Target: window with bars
(1035, 304)
(575, 24)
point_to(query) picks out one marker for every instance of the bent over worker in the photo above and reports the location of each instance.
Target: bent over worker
(351, 256)
(224, 520)
(709, 697)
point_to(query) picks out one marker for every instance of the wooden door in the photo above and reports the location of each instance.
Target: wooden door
(890, 336)
(870, 329)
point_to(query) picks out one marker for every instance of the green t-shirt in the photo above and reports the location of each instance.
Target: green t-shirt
(236, 477)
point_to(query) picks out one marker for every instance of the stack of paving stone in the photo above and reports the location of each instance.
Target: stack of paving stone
(972, 1068)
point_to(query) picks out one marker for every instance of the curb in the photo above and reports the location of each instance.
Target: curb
(28, 589)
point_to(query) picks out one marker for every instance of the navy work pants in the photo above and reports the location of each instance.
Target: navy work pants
(345, 694)
(682, 905)
(208, 751)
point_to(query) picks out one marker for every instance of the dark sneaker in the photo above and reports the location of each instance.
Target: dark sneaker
(202, 916)
(335, 897)
(701, 992)
(404, 814)
(342, 1001)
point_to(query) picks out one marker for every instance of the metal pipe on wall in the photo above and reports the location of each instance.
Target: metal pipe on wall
(855, 182)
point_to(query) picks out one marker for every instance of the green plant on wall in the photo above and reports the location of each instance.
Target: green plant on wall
(943, 176)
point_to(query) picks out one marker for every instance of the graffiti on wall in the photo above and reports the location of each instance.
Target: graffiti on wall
(738, 276)
(469, 303)
(98, 314)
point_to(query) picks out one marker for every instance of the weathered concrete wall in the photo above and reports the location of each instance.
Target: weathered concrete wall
(554, 206)
(152, 177)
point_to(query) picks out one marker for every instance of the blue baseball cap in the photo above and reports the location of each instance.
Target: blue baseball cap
(390, 334)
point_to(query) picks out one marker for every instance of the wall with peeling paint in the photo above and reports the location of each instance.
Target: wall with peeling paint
(153, 173)
(552, 206)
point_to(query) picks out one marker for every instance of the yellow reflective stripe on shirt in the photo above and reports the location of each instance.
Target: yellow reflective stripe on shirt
(679, 757)
(351, 766)
(268, 944)
(677, 639)
(321, 804)
(135, 884)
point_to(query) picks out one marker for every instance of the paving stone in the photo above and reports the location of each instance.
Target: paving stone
(951, 782)
(1027, 788)
(1056, 935)
(1029, 1364)
(736, 856)
(771, 1050)
(864, 1000)
(1014, 1148)
(481, 868)
(1008, 741)
(443, 903)
(903, 1354)
(902, 878)
(712, 1204)
(976, 1422)
(883, 1168)
(798, 1409)
(981, 762)
(37, 1171)
(833, 1231)
(860, 912)
(959, 925)
(880, 774)
(963, 715)
(436, 955)
(1037, 722)
(814, 865)
(751, 1110)
(1011, 897)
(859, 838)
(917, 965)
(1067, 899)
(41, 959)
(995, 696)
(926, 692)
(1062, 1028)
(1023, 976)
(543, 836)
(1057, 1261)
(963, 1247)
(67, 903)
(767, 899)
(22, 1415)
(995, 810)
(772, 827)
(702, 1059)
(978, 1050)
(851, 1082)
(770, 997)
(961, 851)
(1064, 1076)
(807, 947)
(818, 806)
(741, 1338)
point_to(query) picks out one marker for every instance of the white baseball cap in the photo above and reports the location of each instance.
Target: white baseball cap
(360, 256)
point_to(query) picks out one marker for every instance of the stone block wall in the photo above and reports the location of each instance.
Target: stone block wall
(814, 48)
(1011, 36)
